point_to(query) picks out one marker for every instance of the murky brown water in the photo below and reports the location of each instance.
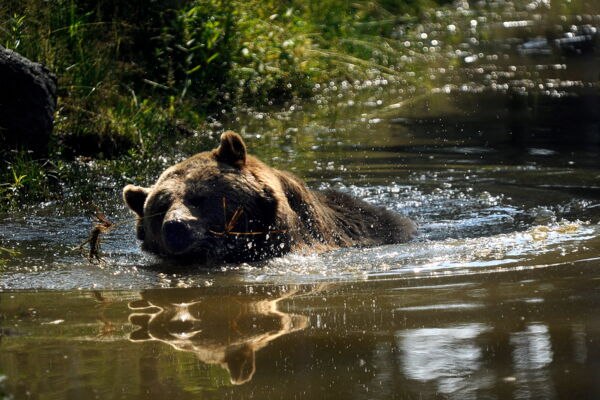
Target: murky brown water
(496, 157)
(518, 334)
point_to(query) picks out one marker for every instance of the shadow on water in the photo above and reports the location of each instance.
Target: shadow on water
(495, 155)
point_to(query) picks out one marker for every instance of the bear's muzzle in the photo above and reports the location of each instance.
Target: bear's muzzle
(177, 236)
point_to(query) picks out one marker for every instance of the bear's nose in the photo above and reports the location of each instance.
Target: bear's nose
(177, 236)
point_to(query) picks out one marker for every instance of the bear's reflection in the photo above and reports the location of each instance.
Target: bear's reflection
(218, 329)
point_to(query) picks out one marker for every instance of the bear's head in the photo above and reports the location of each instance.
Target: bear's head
(221, 205)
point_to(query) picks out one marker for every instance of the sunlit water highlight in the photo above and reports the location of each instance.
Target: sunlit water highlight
(461, 231)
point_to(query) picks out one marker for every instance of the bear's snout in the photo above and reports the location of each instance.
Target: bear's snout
(177, 236)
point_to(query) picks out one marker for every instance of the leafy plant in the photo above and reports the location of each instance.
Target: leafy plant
(10, 190)
(13, 31)
(134, 81)
(24, 179)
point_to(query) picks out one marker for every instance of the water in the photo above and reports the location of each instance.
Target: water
(497, 298)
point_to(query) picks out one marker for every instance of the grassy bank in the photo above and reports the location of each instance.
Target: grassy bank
(135, 76)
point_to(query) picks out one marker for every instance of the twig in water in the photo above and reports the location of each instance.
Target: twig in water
(230, 225)
(103, 225)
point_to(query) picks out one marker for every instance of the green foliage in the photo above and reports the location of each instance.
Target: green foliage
(270, 63)
(194, 49)
(183, 60)
(137, 76)
(24, 179)
(13, 31)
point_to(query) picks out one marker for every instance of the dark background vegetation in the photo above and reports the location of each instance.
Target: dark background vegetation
(136, 75)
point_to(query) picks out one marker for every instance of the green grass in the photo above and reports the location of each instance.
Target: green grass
(135, 74)
(24, 179)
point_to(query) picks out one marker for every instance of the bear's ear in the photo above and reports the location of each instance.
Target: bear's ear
(135, 197)
(240, 360)
(232, 150)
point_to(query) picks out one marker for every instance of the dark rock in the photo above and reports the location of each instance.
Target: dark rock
(27, 103)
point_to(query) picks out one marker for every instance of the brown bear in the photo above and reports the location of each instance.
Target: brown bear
(227, 206)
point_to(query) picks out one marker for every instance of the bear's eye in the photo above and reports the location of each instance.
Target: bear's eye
(197, 201)
(159, 204)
